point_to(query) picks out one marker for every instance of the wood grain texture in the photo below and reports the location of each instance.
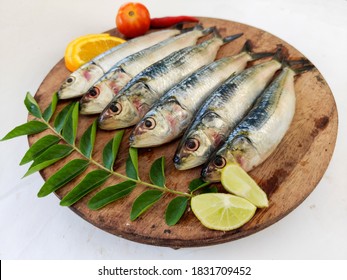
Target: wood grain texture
(288, 176)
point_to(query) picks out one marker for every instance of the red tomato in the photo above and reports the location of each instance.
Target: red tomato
(133, 19)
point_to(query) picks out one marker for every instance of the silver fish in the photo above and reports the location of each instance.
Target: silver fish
(224, 108)
(102, 92)
(84, 77)
(260, 132)
(134, 100)
(171, 115)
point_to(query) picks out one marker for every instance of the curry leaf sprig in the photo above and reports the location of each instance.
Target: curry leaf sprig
(62, 142)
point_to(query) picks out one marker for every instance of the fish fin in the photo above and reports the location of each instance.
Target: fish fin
(143, 79)
(231, 38)
(231, 76)
(174, 100)
(247, 47)
(110, 73)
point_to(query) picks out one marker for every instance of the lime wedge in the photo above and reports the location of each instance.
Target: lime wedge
(236, 181)
(222, 211)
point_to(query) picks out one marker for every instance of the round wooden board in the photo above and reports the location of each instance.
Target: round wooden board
(288, 176)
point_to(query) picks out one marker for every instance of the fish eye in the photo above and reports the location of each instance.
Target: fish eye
(116, 108)
(93, 92)
(150, 123)
(219, 162)
(192, 144)
(70, 80)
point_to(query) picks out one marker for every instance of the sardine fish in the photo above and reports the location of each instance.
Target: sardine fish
(136, 98)
(78, 82)
(102, 92)
(224, 108)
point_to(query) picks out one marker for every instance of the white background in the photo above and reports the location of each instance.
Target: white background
(33, 37)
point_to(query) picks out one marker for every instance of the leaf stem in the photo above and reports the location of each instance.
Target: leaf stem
(138, 181)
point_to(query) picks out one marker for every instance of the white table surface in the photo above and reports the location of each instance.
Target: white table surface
(33, 37)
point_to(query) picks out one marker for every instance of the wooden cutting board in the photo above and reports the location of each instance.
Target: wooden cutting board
(288, 176)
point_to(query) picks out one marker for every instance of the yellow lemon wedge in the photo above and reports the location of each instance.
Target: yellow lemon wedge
(85, 48)
(221, 211)
(236, 181)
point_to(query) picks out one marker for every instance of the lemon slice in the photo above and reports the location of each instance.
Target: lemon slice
(222, 211)
(85, 48)
(235, 180)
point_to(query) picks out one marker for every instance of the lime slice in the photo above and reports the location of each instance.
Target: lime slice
(222, 211)
(235, 180)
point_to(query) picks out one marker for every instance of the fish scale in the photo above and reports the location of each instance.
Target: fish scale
(173, 111)
(261, 130)
(222, 110)
(175, 67)
(78, 82)
(109, 85)
(144, 89)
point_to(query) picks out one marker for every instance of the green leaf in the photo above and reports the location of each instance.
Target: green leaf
(88, 139)
(208, 189)
(110, 151)
(39, 147)
(64, 175)
(175, 210)
(92, 180)
(48, 157)
(32, 106)
(48, 113)
(143, 202)
(197, 184)
(134, 158)
(70, 126)
(157, 172)
(131, 165)
(111, 194)
(28, 128)
(61, 118)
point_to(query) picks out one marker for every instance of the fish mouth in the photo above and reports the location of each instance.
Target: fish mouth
(88, 110)
(137, 141)
(105, 122)
(83, 106)
(134, 138)
(183, 162)
(67, 93)
(210, 174)
(177, 162)
(89, 107)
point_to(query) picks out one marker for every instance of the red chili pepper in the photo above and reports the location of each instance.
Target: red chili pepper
(169, 21)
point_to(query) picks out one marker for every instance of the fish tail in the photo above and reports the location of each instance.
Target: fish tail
(231, 38)
(281, 54)
(299, 65)
(304, 69)
(178, 26)
(227, 39)
(247, 47)
(209, 30)
(195, 27)
(302, 61)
